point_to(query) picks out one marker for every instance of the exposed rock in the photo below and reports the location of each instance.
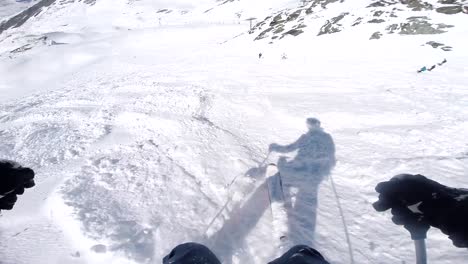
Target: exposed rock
(434, 44)
(376, 21)
(279, 30)
(442, 26)
(24, 16)
(357, 22)
(418, 5)
(294, 16)
(34, 11)
(420, 27)
(376, 35)
(276, 24)
(261, 23)
(263, 34)
(447, 48)
(277, 20)
(332, 25)
(417, 26)
(22, 48)
(449, 10)
(382, 3)
(300, 26)
(324, 3)
(294, 32)
(293, 19)
(392, 28)
(447, 2)
(225, 1)
(378, 13)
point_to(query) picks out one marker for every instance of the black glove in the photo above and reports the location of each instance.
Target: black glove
(418, 203)
(13, 180)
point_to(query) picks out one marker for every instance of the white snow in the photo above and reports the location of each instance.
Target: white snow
(9, 8)
(136, 130)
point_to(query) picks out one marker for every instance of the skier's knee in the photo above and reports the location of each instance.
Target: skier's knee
(301, 254)
(192, 253)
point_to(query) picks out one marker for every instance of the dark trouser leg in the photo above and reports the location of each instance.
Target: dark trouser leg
(191, 253)
(305, 215)
(300, 255)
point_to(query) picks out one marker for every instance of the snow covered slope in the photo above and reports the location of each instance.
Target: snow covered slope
(12, 7)
(143, 118)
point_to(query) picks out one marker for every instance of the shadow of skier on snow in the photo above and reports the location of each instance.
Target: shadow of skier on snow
(302, 176)
(301, 179)
(229, 241)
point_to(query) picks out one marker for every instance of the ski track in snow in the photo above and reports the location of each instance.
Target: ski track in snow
(136, 149)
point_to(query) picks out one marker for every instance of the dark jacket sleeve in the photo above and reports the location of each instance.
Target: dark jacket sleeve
(291, 147)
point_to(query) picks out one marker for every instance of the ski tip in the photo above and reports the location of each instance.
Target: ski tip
(272, 164)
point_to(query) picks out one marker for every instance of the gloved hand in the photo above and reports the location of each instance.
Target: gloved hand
(273, 147)
(13, 180)
(418, 203)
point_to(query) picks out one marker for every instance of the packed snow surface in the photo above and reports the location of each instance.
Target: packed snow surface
(142, 129)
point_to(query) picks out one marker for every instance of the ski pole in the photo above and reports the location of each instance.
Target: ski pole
(421, 255)
(343, 220)
(259, 165)
(418, 235)
(221, 210)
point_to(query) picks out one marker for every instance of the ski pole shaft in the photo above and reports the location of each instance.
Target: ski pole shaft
(229, 198)
(345, 226)
(237, 176)
(421, 255)
(265, 159)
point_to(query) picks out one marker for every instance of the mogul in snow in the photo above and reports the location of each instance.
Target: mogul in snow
(302, 176)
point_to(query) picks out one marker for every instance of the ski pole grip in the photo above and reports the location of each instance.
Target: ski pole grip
(418, 231)
(418, 234)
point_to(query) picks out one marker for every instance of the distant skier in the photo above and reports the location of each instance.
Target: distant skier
(260, 55)
(431, 68)
(314, 161)
(13, 180)
(443, 62)
(423, 69)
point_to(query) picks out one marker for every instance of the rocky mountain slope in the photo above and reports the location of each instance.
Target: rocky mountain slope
(272, 21)
(10, 8)
(139, 116)
(410, 17)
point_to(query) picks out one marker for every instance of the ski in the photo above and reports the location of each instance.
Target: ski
(277, 203)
